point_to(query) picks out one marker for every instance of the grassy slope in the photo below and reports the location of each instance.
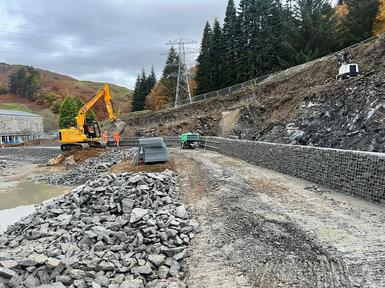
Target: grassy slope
(15, 106)
(64, 85)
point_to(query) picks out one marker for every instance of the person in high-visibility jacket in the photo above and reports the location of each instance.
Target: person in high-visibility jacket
(105, 137)
(116, 138)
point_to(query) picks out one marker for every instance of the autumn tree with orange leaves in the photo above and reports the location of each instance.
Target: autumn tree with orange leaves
(379, 23)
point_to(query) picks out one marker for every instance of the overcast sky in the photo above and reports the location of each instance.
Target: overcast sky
(99, 40)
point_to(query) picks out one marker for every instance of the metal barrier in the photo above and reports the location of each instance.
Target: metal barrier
(134, 142)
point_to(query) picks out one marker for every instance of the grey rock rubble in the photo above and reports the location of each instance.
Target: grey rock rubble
(3, 166)
(90, 169)
(125, 230)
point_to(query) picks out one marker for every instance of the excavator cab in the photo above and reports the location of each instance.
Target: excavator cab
(92, 129)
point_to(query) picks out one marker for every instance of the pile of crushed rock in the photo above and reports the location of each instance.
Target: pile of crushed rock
(90, 169)
(125, 230)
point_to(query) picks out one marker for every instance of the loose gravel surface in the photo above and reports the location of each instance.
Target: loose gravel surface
(265, 229)
(34, 154)
(90, 169)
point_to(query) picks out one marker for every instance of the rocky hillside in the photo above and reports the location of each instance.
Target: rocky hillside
(60, 86)
(304, 105)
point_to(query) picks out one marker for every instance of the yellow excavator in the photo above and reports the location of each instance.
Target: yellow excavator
(87, 134)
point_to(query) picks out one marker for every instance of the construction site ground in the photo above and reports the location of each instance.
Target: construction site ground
(260, 228)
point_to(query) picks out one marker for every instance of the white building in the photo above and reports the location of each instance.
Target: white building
(19, 126)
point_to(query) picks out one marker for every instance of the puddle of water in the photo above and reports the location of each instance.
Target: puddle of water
(28, 192)
(11, 216)
(18, 201)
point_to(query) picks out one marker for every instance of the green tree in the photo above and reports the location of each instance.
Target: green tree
(360, 19)
(277, 31)
(32, 83)
(91, 116)
(17, 81)
(151, 81)
(216, 57)
(137, 97)
(143, 86)
(230, 37)
(25, 81)
(203, 75)
(312, 31)
(67, 113)
(246, 39)
(169, 76)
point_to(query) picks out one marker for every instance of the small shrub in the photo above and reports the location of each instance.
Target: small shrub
(55, 108)
(51, 97)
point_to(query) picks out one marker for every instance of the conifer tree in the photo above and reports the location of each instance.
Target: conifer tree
(139, 96)
(203, 75)
(230, 36)
(342, 30)
(216, 57)
(163, 92)
(91, 116)
(67, 113)
(264, 36)
(360, 19)
(143, 86)
(276, 30)
(247, 39)
(169, 74)
(313, 30)
(151, 81)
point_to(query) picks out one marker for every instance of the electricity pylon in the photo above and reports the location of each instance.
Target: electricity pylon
(183, 90)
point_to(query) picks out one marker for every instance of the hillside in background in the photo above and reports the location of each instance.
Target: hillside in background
(61, 86)
(303, 105)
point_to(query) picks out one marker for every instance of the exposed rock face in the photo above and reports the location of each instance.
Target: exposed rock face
(347, 116)
(95, 237)
(90, 169)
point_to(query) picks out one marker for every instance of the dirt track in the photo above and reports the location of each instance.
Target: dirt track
(266, 229)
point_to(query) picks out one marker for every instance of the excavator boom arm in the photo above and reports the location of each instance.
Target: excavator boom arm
(104, 92)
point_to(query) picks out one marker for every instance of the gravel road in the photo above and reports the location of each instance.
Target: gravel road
(266, 229)
(34, 154)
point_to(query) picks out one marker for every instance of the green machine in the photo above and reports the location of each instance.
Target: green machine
(189, 140)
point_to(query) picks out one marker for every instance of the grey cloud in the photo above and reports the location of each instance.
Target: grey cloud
(101, 40)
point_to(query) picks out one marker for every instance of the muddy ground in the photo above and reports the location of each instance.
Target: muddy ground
(265, 229)
(34, 154)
